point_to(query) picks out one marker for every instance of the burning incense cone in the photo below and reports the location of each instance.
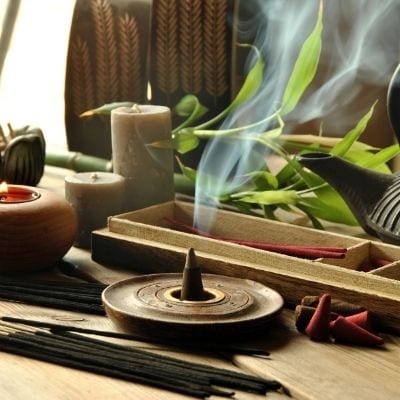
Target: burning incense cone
(318, 327)
(362, 319)
(337, 306)
(346, 331)
(192, 284)
(303, 315)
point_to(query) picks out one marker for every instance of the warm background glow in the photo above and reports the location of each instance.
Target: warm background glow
(32, 82)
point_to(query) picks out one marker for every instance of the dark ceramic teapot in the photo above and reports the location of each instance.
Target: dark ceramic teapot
(374, 198)
(393, 102)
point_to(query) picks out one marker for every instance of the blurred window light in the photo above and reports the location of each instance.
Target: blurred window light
(33, 76)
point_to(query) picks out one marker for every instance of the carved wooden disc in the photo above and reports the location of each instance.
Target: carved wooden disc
(150, 305)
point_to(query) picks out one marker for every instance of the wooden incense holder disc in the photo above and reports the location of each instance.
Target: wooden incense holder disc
(150, 305)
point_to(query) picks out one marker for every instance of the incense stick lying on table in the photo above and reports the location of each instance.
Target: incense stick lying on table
(310, 252)
(215, 347)
(83, 297)
(78, 351)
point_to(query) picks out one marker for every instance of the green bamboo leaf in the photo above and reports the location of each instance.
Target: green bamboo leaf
(305, 67)
(264, 180)
(364, 159)
(183, 141)
(106, 108)
(252, 82)
(190, 173)
(250, 86)
(269, 197)
(286, 173)
(344, 145)
(378, 160)
(329, 211)
(269, 212)
(191, 108)
(273, 134)
(314, 220)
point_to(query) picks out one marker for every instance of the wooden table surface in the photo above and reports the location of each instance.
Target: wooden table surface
(307, 369)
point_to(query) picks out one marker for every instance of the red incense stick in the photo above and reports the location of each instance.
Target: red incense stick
(311, 252)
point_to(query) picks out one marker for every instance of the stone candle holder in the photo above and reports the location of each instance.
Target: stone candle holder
(37, 228)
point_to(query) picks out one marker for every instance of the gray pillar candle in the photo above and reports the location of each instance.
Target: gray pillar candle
(148, 170)
(95, 196)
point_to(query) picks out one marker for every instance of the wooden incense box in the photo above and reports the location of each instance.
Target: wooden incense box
(144, 241)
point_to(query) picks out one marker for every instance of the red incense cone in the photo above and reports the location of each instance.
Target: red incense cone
(346, 331)
(318, 327)
(362, 319)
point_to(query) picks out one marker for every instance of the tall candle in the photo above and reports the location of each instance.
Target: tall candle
(147, 169)
(94, 196)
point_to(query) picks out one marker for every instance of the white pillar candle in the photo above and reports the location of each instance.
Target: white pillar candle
(95, 196)
(148, 170)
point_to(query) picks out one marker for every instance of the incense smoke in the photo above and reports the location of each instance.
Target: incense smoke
(360, 47)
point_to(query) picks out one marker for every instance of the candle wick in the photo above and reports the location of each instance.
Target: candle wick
(94, 176)
(136, 108)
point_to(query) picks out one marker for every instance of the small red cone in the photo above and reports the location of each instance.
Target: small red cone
(362, 319)
(318, 327)
(346, 331)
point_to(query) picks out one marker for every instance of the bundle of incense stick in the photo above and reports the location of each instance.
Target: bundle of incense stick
(140, 366)
(224, 347)
(84, 297)
(302, 251)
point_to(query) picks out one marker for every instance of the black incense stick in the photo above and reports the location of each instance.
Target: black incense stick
(215, 347)
(83, 297)
(52, 302)
(12, 345)
(124, 362)
(75, 296)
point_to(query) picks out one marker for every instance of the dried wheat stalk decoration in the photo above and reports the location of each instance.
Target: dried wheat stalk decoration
(130, 67)
(106, 51)
(191, 45)
(166, 45)
(215, 41)
(83, 97)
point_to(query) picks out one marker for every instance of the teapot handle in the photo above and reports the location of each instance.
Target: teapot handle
(393, 102)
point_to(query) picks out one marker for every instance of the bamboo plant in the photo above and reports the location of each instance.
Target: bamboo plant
(293, 188)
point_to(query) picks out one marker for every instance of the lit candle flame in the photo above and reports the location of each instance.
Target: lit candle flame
(3, 188)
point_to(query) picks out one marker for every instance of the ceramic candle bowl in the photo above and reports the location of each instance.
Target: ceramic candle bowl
(37, 228)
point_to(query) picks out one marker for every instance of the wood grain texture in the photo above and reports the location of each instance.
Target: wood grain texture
(330, 371)
(310, 370)
(144, 238)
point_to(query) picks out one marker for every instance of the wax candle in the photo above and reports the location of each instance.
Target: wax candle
(37, 228)
(94, 196)
(147, 169)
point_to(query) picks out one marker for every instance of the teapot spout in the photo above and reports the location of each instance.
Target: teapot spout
(359, 187)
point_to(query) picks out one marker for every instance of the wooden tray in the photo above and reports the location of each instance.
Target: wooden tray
(144, 241)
